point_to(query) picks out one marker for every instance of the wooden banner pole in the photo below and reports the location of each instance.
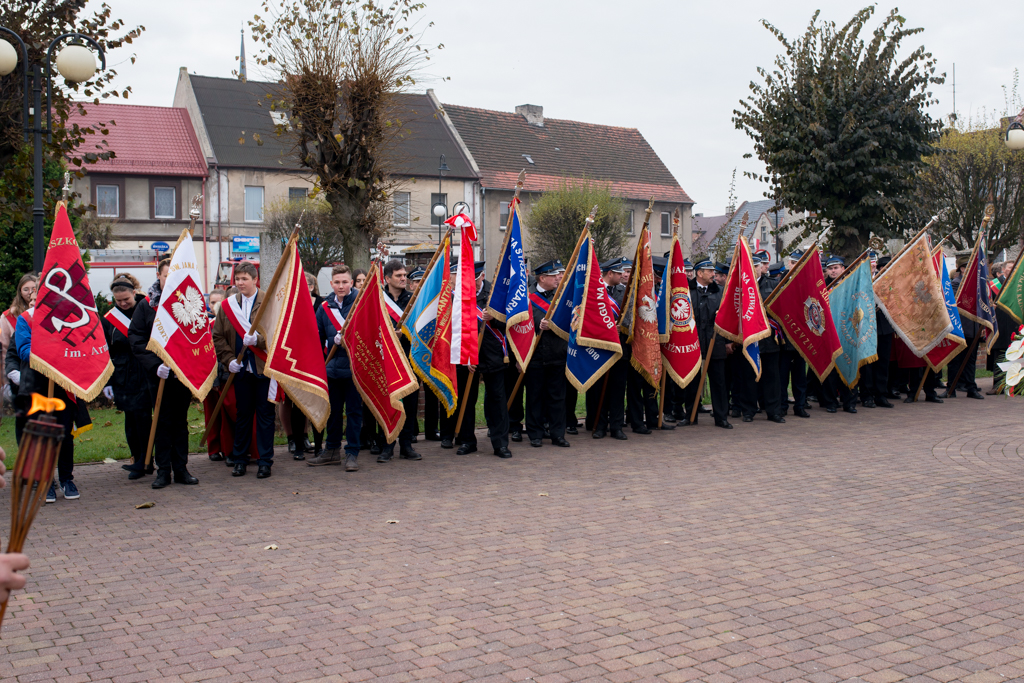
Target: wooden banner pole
(951, 387)
(703, 376)
(156, 416)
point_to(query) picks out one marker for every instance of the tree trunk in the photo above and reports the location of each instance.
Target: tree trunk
(355, 240)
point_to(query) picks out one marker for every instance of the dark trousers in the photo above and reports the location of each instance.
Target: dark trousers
(137, 424)
(345, 402)
(369, 432)
(467, 431)
(545, 400)
(251, 398)
(495, 409)
(733, 373)
(969, 361)
(516, 413)
(431, 413)
(612, 415)
(411, 427)
(641, 401)
(719, 392)
(749, 386)
(834, 390)
(874, 378)
(66, 456)
(171, 444)
(571, 396)
(930, 383)
(792, 374)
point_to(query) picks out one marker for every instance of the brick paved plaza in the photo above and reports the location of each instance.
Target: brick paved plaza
(876, 547)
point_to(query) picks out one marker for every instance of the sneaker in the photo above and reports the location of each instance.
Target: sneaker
(51, 495)
(69, 490)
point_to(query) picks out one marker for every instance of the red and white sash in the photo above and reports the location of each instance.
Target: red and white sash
(119, 320)
(335, 316)
(394, 310)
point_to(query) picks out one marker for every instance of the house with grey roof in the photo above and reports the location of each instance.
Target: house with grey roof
(768, 227)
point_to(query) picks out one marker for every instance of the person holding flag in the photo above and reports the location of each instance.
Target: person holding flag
(128, 387)
(974, 300)
(397, 298)
(344, 397)
(606, 400)
(545, 373)
(706, 299)
(174, 346)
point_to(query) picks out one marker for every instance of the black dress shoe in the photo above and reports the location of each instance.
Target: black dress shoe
(307, 447)
(800, 412)
(133, 475)
(216, 457)
(447, 443)
(831, 410)
(947, 394)
(748, 418)
(131, 468)
(572, 430)
(431, 436)
(724, 424)
(869, 403)
(536, 443)
(503, 453)
(619, 434)
(669, 419)
(560, 442)
(975, 394)
(641, 430)
(883, 402)
(298, 456)
(375, 449)
(239, 470)
(516, 435)
(665, 426)
(683, 422)
(932, 399)
(291, 445)
(598, 434)
(385, 457)
(163, 479)
(183, 477)
(263, 472)
(908, 399)
(849, 409)
(734, 413)
(777, 418)
(466, 449)
(895, 395)
(407, 452)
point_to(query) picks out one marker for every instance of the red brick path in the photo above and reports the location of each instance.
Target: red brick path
(878, 547)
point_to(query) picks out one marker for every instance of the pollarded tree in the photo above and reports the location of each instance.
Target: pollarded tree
(342, 62)
(841, 127)
(319, 242)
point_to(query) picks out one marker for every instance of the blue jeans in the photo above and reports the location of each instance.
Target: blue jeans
(345, 400)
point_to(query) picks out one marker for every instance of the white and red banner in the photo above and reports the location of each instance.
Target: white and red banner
(677, 329)
(119, 320)
(294, 359)
(68, 344)
(182, 332)
(465, 339)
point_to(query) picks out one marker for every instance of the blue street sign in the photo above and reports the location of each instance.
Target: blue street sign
(245, 244)
(160, 247)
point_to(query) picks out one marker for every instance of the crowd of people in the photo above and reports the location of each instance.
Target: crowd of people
(532, 405)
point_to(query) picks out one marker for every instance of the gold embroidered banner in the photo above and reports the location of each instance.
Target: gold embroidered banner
(909, 293)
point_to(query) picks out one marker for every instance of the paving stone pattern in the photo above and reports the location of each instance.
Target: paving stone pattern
(878, 547)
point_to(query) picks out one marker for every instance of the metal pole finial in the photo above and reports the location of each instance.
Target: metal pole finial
(66, 192)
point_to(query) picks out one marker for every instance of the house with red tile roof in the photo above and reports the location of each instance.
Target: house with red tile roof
(501, 144)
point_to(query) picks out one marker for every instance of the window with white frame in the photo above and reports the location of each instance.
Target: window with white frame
(164, 202)
(108, 201)
(503, 216)
(666, 224)
(253, 204)
(630, 217)
(403, 208)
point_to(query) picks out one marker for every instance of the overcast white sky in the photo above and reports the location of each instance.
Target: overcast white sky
(673, 69)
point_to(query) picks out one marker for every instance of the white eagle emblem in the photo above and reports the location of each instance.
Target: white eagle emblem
(190, 310)
(647, 310)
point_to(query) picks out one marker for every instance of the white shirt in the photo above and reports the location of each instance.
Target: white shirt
(247, 304)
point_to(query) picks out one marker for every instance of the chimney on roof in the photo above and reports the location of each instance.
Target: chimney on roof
(533, 113)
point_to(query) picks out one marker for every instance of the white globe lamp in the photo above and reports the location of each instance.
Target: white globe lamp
(8, 58)
(76, 63)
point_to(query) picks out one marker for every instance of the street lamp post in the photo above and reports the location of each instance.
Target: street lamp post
(1015, 132)
(77, 64)
(440, 209)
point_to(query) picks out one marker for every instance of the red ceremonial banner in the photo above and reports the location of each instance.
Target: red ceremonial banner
(741, 317)
(441, 350)
(594, 319)
(643, 319)
(800, 305)
(294, 357)
(379, 367)
(68, 345)
(681, 350)
(948, 348)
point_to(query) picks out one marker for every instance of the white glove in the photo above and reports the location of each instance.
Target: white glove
(337, 339)
(250, 339)
(108, 393)
(163, 372)
(235, 366)
(14, 376)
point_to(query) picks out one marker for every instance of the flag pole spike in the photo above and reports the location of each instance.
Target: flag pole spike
(591, 217)
(195, 212)
(66, 191)
(520, 182)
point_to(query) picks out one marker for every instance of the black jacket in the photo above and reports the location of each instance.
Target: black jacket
(705, 308)
(766, 285)
(339, 367)
(138, 336)
(129, 381)
(492, 342)
(551, 349)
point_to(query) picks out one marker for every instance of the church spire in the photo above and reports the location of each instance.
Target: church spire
(241, 58)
